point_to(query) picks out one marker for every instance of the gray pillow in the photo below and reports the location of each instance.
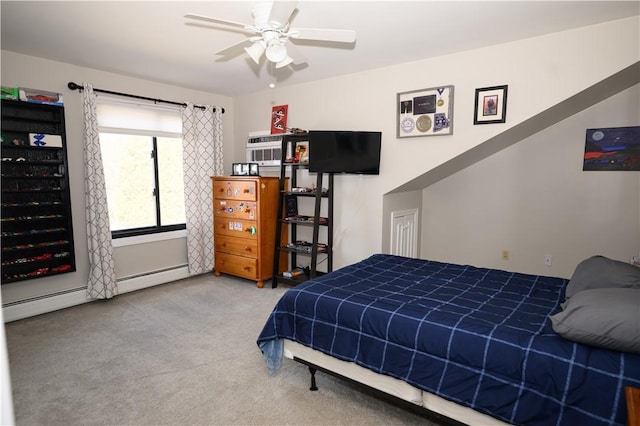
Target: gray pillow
(601, 272)
(604, 317)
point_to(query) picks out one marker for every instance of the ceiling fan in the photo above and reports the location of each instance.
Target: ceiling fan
(272, 34)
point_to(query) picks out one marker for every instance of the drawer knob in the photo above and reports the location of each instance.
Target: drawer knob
(247, 249)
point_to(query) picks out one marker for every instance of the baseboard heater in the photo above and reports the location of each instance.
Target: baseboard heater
(26, 308)
(43, 297)
(150, 273)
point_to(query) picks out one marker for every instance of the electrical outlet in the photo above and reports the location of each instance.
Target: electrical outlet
(505, 255)
(548, 260)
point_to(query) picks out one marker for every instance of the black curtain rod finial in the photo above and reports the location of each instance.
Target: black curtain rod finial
(74, 86)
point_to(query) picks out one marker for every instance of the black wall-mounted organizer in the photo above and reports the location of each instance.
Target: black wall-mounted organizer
(37, 232)
(304, 255)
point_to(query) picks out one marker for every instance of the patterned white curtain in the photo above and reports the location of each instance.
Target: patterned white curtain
(202, 154)
(102, 276)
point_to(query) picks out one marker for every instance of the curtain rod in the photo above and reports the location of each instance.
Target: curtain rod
(74, 86)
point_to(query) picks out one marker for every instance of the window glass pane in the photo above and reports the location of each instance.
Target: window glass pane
(171, 180)
(129, 176)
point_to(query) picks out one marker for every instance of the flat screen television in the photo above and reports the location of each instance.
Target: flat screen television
(344, 152)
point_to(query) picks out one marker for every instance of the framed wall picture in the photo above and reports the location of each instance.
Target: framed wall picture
(612, 149)
(279, 119)
(491, 105)
(245, 169)
(425, 112)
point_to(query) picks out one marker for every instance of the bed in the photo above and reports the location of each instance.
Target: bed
(473, 344)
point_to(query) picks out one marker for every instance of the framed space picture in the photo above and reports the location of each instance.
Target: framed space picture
(426, 112)
(612, 149)
(491, 105)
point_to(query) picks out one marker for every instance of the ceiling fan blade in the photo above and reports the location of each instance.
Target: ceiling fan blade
(294, 53)
(234, 48)
(281, 12)
(216, 20)
(340, 36)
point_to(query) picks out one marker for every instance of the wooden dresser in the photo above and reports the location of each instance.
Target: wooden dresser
(244, 224)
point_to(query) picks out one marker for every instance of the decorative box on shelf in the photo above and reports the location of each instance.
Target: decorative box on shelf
(40, 97)
(10, 93)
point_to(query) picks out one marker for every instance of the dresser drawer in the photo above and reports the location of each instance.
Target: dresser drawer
(236, 228)
(239, 246)
(240, 266)
(235, 189)
(234, 208)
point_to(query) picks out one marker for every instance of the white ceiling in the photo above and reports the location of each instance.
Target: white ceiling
(151, 40)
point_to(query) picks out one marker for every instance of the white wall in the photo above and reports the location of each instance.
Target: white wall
(27, 71)
(540, 72)
(534, 199)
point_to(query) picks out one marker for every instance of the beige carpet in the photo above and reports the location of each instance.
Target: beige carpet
(183, 353)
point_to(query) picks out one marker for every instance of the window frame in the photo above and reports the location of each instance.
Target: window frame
(147, 230)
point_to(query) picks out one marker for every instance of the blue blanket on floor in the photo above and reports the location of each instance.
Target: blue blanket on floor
(479, 337)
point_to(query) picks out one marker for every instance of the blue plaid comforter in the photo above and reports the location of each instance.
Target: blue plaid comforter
(478, 337)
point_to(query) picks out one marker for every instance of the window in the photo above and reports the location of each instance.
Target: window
(141, 148)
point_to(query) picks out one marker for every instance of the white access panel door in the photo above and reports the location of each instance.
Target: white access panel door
(404, 233)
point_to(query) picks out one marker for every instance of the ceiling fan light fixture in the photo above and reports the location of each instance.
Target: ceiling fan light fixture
(283, 63)
(255, 51)
(271, 30)
(276, 52)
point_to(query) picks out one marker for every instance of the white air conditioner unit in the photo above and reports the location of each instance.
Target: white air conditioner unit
(264, 148)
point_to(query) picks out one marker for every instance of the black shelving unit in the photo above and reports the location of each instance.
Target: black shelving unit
(37, 232)
(291, 215)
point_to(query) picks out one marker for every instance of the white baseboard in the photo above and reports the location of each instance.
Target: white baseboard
(30, 308)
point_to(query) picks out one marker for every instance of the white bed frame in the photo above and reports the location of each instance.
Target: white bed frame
(388, 385)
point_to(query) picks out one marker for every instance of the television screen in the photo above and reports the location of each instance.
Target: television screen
(344, 152)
